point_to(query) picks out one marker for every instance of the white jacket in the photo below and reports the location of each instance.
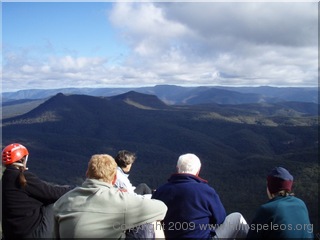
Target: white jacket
(123, 181)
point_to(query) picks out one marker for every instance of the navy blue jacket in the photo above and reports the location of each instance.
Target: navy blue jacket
(281, 218)
(192, 206)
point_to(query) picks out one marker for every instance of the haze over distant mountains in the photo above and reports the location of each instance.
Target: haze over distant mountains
(172, 94)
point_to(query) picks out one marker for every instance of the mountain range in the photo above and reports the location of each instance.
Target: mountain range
(172, 94)
(238, 144)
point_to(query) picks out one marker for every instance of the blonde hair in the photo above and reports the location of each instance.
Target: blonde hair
(102, 167)
(188, 163)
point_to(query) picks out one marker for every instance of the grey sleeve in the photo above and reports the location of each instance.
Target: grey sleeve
(141, 210)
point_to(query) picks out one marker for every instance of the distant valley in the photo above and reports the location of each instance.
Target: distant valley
(239, 136)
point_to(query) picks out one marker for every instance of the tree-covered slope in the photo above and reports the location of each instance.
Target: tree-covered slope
(238, 145)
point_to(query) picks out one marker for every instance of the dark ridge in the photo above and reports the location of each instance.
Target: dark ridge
(140, 99)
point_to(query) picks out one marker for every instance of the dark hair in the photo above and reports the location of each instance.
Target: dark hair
(125, 158)
(22, 178)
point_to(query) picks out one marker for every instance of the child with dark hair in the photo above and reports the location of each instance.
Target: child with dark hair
(125, 160)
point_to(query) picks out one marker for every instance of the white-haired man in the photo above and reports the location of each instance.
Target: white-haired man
(194, 208)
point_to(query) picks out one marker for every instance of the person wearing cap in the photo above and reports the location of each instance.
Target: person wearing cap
(97, 209)
(284, 215)
(27, 201)
(195, 210)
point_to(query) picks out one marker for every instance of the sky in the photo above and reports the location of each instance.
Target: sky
(47, 45)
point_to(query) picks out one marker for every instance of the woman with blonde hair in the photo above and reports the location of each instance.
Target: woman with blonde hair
(97, 209)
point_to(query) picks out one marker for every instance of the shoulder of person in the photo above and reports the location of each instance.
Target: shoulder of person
(29, 174)
(298, 200)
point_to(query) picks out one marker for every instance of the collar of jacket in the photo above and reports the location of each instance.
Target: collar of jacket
(90, 182)
(124, 173)
(186, 177)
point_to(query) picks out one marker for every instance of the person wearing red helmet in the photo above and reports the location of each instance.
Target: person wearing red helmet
(26, 200)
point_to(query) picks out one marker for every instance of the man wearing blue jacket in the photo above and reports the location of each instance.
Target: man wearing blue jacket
(194, 208)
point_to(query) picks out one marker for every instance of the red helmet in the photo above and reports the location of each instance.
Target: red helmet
(13, 152)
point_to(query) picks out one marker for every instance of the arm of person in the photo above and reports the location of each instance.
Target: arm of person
(45, 192)
(143, 210)
(124, 183)
(217, 208)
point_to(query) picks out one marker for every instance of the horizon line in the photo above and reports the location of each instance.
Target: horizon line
(146, 86)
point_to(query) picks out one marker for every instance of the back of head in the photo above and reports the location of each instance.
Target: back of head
(279, 179)
(102, 167)
(17, 155)
(188, 163)
(13, 153)
(125, 158)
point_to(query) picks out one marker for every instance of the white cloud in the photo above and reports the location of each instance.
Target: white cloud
(186, 43)
(286, 24)
(250, 43)
(145, 27)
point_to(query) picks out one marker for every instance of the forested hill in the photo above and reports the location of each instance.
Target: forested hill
(238, 144)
